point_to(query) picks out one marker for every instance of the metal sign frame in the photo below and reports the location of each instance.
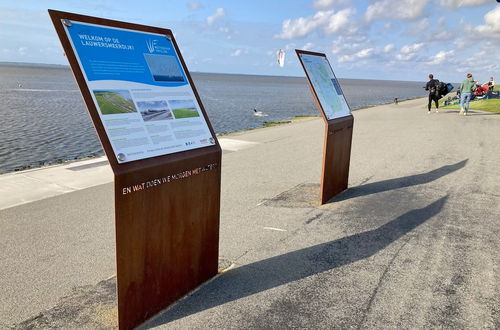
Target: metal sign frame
(167, 207)
(336, 146)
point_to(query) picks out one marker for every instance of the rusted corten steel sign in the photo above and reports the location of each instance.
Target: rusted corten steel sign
(164, 154)
(331, 102)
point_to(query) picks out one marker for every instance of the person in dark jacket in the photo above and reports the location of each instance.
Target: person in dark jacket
(432, 87)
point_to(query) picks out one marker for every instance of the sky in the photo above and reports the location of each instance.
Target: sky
(363, 39)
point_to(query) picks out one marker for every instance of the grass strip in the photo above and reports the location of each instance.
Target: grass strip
(491, 105)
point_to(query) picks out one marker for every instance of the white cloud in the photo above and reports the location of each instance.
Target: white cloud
(418, 27)
(407, 49)
(441, 57)
(388, 26)
(492, 26)
(459, 44)
(51, 50)
(302, 26)
(480, 53)
(406, 10)
(362, 54)
(219, 13)
(463, 3)
(389, 48)
(322, 4)
(442, 21)
(331, 22)
(491, 48)
(405, 57)
(480, 65)
(347, 49)
(341, 21)
(308, 46)
(342, 46)
(194, 5)
(239, 52)
(440, 36)
(409, 52)
(22, 51)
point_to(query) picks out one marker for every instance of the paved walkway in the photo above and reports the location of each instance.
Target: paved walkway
(413, 243)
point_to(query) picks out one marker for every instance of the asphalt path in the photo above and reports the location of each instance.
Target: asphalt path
(156, 115)
(413, 243)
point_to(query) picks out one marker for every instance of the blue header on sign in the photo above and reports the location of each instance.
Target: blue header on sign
(114, 54)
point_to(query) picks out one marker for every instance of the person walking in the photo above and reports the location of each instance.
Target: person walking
(466, 89)
(432, 87)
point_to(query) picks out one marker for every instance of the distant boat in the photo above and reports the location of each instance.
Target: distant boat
(280, 54)
(19, 85)
(259, 113)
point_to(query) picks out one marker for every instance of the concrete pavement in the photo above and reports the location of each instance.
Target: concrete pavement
(32, 185)
(413, 243)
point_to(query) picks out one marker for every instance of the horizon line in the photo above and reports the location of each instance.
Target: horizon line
(67, 66)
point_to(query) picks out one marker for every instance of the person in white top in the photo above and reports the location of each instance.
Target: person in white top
(491, 84)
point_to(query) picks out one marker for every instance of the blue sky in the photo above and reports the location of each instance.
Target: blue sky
(372, 39)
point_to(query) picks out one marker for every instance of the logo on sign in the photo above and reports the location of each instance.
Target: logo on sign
(151, 45)
(207, 141)
(155, 46)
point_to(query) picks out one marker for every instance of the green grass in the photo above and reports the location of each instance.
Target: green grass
(185, 113)
(121, 101)
(492, 105)
(288, 121)
(276, 123)
(119, 106)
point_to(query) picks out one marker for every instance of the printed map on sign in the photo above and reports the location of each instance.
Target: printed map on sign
(326, 86)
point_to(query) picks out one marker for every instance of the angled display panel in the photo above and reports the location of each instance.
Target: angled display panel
(144, 99)
(330, 100)
(325, 85)
(164, 154)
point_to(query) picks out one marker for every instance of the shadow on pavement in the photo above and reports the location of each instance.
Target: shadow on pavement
(403, 182)
(472, 112)
(483, 113)
(279, 270)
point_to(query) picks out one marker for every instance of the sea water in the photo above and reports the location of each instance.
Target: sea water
(44, 119)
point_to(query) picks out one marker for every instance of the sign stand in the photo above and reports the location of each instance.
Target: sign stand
(335, 111)
(167, 201)
(336, 157)
(167, 238)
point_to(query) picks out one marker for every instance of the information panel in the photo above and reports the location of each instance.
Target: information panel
(144, 100)
(325, 85)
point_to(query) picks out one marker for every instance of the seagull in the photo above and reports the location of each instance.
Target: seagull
(259, 113)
